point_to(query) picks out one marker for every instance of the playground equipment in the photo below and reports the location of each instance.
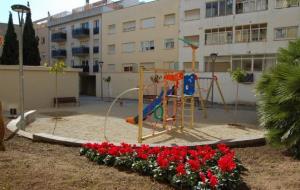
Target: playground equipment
(214, 80)
(178, 89)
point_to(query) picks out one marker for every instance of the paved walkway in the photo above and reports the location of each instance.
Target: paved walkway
(87, 122)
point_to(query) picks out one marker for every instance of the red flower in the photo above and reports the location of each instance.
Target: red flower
(180, 169)
(213, 181)
(203, 177)
(223, 148)
(226, 163)
(113, 151)
(194, 164)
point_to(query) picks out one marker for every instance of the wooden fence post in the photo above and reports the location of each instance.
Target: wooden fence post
(2, 130)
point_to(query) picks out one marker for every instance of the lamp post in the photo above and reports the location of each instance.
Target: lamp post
(101, 65)
(21, 9)
(213, 57)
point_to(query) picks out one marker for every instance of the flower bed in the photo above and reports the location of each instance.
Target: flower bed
(201, 167)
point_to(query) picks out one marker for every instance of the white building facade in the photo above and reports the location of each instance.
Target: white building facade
(244, 33)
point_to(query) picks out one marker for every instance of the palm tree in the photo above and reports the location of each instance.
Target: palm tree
(279, 100)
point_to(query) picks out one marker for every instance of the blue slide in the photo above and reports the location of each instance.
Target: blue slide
(148, 110)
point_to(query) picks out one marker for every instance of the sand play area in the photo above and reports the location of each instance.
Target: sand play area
(86, 122)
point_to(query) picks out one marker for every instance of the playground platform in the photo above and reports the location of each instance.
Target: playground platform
(87, 123)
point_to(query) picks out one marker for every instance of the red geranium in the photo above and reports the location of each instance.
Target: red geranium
(213, 181)
(226, 163)
(180, 169)
(194, 164)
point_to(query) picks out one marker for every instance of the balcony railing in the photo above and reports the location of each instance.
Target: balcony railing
(85, 68)
(60, 53)
(59, 37)
(80, 51)
(96, 30)
(81, 33)
(96, 49)
(96, 68)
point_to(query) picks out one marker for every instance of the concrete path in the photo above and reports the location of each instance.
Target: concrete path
(87, 123)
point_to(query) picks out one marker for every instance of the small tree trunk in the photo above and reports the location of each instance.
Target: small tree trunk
(2, 130)
(236, 102)
(56, 101)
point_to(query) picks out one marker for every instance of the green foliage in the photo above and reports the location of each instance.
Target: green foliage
(58, 67)
(238, 75)
(10, 53)
(31, 54)
(108, 79)
(279, 103)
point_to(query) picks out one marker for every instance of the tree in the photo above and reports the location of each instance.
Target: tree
(108, 80)
(31, 54)
(10, 53)
(57, 68)
(238, 76)
(279, 100)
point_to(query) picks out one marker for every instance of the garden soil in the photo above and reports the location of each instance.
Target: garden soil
(30, 165)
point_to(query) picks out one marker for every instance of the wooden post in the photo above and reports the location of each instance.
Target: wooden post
(182, 108)
(165, 104)
(221, 94)
(140, 106)
(2, 130)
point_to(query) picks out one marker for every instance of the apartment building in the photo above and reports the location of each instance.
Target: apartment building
(42, 32)
(76, 38)
(244, 33)
(142, 35)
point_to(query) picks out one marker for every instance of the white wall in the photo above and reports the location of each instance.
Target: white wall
(123, 81)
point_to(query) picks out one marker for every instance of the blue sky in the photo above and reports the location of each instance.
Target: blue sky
(40, 7)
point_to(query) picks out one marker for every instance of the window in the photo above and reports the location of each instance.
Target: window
(221, 64)
(43, 40)
(285, 3)
(112, 29)
(188, 66)
(193, 14)
(128, 67)
(169, 43)
(251, 33)
(85, 25)
(150, 65)
(148, 23)
(129, 26)
(96, 23)
(128, 47)
(218, 36)
(96, 26)
(219, 8)
(192, 39)
(246, 6)
(147, 45)
(253, 63)
(111, 49)
(286, 33)
(169, 19)
(169, 65)
(111, 67)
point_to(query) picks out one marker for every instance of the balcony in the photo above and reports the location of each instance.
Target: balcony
(85, 68)
(80, 51)
(81, 33)
(58, 54)
(96, 30)
(96, 68)
(96, 49)
(59, 37)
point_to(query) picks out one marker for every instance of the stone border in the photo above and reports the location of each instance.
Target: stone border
(48, 138)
